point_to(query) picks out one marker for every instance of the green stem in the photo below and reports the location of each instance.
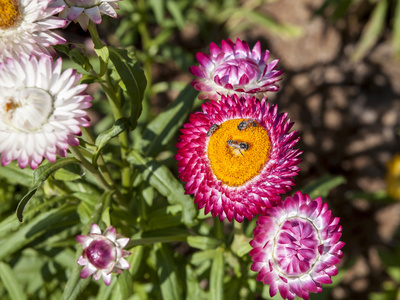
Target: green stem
(114, 98)
(87, 165)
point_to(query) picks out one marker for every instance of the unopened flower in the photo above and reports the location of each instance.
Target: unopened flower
(41, 110)
(237, 157)
(235, 69)
(82, 11)
(393, 177)
(25, 27)
(296, 247)
(102, 253)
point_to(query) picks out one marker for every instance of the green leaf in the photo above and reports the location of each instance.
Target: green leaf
(372, 30)
(35, 228)
(170, 284)
(70, 172)
(133, 80)
(163, 128)
(159, 236)
(321, 187)
(161, 178)
(15, 175)
(201, 256)
(103, 138)
(176, 13)
(396, 29)
(158, 9)
(283, 30)
(194, 291)
(217, 277)
(11, 283)
(124, 286)
(202, 242)
(40, 175)
(101, 50)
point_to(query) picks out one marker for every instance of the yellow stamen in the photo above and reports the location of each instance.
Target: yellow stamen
(234, 167)
(9, 13)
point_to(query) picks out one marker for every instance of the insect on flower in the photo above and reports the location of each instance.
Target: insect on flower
(238, 145)
(248, 123)
(212, 129)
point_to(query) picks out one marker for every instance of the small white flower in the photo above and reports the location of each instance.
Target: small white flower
(41, 110)
(25, 27)
(102, 253)
(82, 11)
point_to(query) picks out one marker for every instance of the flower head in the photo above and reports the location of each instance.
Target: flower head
(237, 157)
(393, 177)
(82, 11)
(296, 247)
(25, 27)
(41, 110)
(234, 69)
(102, 253)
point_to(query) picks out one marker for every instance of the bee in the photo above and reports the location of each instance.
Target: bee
(212, 129)
(238, 145)
(247, 123)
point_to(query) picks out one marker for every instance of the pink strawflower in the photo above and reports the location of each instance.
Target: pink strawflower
(102, 253)
(25, 27)
(237, 157)
(234, 69)
(41, 110)
(82, 11)
(296, 247)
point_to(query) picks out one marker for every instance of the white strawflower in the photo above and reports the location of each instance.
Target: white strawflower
(25, 27)
(41, 110)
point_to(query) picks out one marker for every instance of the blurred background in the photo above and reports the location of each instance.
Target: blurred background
(341, 88)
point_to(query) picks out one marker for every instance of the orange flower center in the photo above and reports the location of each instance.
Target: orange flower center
(9, 13)
(238, 150)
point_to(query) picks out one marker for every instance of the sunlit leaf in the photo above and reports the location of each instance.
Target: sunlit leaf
(217, 277)
(321, 187)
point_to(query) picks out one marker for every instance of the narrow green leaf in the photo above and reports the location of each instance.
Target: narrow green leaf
(158, 9)
(159, 236)
(10, 281)
(217, 277)
(194, 291)
(123, 288)
(202, 242)
(133, 80)
(104, 137)
(321, 187)
(372, 30)
(161, 178)
(40, 175)
(170, 284)
(396, 29)
(201, 256)
(283, 30)
(176, 13)
(15, 175)
(35, 228)
(163, 128)
(101, 50)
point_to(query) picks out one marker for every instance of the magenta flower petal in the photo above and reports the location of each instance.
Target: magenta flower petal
(301, 256)
(102, 255)
(229, 181)
(235, 69)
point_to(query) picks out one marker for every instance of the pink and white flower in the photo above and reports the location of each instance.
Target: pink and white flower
(102, 253)
(296, 247)
(235, 69)
(229, 180)
(82, 11)
(25, 28)
(41, 110)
